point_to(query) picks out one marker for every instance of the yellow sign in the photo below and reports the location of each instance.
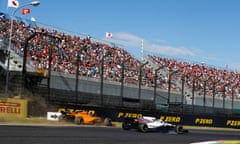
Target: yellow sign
(203, 121)
(129, 115)
(176, 119)
(41, 71)
(234, 123)
(90, 112)
(13, 108)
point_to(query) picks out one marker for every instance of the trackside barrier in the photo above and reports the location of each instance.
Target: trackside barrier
(222, 121)
(13, 108)
(53, 116)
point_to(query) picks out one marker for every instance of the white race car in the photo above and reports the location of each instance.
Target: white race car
(147, 123)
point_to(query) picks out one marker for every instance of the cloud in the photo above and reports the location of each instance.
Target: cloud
(133, 44)
(161, 40)
(169, 50)
(129, 40)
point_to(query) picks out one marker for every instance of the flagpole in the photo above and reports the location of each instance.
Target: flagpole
(34, 3)
(7, 7)
(142, 49)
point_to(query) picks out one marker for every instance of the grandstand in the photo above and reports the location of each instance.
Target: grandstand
(68, 68)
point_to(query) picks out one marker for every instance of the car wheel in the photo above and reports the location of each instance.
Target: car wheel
(78, 120)
(61, 118)
(179, 129)
(126, 125)
(143, 128)
(107, 122)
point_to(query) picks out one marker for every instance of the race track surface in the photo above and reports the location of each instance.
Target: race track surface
(102, 135)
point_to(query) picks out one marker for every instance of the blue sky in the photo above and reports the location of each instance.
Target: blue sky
(193, 30)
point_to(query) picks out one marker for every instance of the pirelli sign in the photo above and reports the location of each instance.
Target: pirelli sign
(13, 108)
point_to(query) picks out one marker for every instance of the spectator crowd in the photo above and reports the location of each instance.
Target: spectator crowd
(67, 52)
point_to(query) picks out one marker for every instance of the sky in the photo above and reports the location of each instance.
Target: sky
(198, 31)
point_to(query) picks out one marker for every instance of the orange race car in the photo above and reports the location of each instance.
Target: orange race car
(83, 117)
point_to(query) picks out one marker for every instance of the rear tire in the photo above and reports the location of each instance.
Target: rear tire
(143, 128)
(78, 120)
(179, 129)
(61, 118)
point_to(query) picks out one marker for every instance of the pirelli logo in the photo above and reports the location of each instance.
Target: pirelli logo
(90, 112)
(233, 123)
(175, 119)
(10, 107)
(129, 115)
(203, 121)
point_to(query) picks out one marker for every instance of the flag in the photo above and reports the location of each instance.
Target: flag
(25, 11)
(13, 3)
(108, 35)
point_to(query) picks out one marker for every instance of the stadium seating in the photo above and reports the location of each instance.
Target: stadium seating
(65, 48)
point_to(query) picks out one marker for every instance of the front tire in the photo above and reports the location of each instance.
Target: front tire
(126, 125)
(107, 122)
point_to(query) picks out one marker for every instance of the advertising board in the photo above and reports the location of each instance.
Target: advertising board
(10, 108)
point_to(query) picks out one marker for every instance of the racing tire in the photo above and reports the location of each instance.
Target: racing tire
(61, 118)
(179, 129)
(143, 128)
(126, 125)
(107, 122)
(78, 120)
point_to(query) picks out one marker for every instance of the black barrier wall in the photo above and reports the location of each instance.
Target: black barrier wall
(119, 115)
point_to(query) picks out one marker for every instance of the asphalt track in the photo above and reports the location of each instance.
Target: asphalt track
(102, 135)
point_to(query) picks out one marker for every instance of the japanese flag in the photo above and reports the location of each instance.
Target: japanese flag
(13, 3)
(108, 35)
